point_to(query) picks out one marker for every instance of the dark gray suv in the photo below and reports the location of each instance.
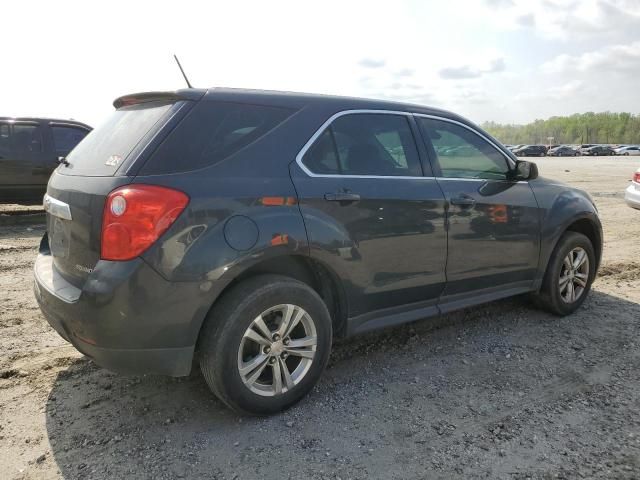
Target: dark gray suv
(248, 229)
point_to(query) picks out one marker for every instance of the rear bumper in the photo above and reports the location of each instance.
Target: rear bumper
(632, 195)
(126, 317)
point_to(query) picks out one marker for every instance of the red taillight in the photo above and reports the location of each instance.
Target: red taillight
(135, 216)
(636, 177)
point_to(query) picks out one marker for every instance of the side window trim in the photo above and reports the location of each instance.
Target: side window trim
(326, 125)
(434, 163)
(70, 125)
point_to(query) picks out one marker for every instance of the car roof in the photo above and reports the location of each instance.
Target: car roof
(284, 99)
(314, 98)
(45, 120)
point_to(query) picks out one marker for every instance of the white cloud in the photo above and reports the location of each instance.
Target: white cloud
(612, 58)
(372, 63)
(471, 71)
(526, 20)
(570, 19)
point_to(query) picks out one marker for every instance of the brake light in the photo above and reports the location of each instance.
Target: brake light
(135, 216)
(636, 177)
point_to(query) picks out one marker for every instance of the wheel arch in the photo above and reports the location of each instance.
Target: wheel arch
(322, 279)
(591, 230)
(586, 223)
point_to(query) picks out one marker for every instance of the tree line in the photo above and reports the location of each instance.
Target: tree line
(590, 127)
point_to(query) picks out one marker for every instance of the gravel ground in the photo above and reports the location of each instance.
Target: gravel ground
(497, 391)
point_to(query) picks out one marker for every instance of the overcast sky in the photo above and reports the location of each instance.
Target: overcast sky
(510, 61)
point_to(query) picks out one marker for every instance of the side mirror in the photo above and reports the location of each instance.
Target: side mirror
(525, 170)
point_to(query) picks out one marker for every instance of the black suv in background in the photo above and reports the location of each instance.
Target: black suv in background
(248, 229)
(531, 151)
(29, 152)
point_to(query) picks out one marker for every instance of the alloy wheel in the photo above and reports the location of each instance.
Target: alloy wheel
(574, 275)
(277, 350)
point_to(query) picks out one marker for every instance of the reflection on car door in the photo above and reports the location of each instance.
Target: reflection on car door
(370, 214)
(493, 224)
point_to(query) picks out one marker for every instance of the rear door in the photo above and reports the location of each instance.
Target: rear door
(493, 222)
(23, 152)
(370, 213)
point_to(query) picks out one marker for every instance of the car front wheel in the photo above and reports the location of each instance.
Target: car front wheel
(570, 273)
(265, 344)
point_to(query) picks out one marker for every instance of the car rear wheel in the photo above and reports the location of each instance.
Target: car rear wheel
(570, 273)
(265, 344)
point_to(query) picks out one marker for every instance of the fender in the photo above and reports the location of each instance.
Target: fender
(560, 207)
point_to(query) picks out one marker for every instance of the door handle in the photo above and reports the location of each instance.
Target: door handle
(342, 197)
(463, 201)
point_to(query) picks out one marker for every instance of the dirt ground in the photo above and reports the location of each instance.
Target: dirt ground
(498, 391)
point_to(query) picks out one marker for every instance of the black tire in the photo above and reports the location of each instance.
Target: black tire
(549, 296)
(228, 321)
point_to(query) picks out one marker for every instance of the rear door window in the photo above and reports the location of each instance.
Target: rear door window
(65, 138)
(104, 150)
(26, 138)
(212, 132)
(365, 144)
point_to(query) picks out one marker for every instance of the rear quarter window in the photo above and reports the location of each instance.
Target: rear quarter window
(212, 132)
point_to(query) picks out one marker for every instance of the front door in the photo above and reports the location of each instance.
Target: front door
(493, 222)
(370, 213)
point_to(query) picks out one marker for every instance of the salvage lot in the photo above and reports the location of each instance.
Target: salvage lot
(498, 391)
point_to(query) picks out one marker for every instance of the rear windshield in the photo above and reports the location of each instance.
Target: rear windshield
(211, 132)
(104, 150)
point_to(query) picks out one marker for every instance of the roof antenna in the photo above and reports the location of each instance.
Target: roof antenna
(183, 74)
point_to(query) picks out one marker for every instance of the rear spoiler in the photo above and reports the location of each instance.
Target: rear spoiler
(192, 94)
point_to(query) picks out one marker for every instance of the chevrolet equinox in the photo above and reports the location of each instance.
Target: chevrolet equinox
(248, 229)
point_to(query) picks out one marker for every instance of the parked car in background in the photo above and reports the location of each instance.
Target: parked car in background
(531, 151)
(632, 193)
(598, 150)
(628, 150)
(563, 151)
(250, 229)
(516, 147)
(30, 149)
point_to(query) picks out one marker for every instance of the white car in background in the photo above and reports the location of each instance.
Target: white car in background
(628, 150)
(632, 193)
